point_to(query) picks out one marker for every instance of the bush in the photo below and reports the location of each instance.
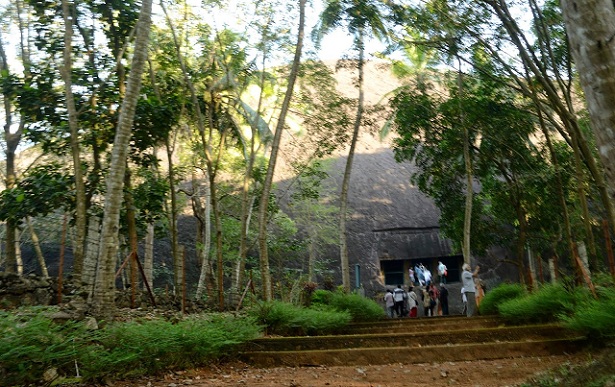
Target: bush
(594, 318)
(545, 305)
(282, 318)
(495, 297)
(359, 307)
(322, 297)
(139, 348)
(32, 343)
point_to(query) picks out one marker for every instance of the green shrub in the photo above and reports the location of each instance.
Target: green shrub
(138, 348)
(32, 343)
(359, 307)
(495, 297)
(594, 318)
(322, 297)
(282, 318)
(545, 305)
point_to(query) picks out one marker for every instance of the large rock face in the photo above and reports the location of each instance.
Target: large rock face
(389, 218)
(391, 225)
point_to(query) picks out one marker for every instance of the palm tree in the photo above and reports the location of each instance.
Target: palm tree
(361, 17)
(104, 288)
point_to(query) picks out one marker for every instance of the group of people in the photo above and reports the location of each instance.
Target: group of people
(405, 303)
(421, 276)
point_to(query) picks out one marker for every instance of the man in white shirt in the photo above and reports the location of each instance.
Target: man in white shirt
(467, 279)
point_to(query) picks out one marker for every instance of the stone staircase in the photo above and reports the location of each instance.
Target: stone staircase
(419, 340)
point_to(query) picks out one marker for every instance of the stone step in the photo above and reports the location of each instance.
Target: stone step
(354, 356)
(438, 335)
(424, 324)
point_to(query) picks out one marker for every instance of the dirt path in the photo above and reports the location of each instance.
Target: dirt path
(484, 373)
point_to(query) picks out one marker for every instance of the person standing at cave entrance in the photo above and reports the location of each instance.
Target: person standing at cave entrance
(399, 295)
(413, 302)
(427, 275)
(467, 278)
(389, 303)
(419, 274)
(442, 272)
(444, 300)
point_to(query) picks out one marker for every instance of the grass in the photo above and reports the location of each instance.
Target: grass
(31, 344)
(282, 318)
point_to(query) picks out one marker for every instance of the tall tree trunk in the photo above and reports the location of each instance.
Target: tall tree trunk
(37, 249)
(90, 263)
(247, 202)
(18, 257)
(203, 214)
(148, 256)
(589, 36)
(467, 219)
(103, 300)
(344, 261)
(12, 139)
(590, 32)
(73, 125)
(267, 290)
(133, 242)
(173, 219)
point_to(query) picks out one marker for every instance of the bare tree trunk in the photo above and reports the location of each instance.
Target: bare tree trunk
(344, 261)
(148, 256)
(467, 220)
(12, 141)
(37, 249)
(90, 262)
(73, 124)
(590, 31)
(104, 292)
(173, 218)
(267, 290)
(203, 214)
(18, 258)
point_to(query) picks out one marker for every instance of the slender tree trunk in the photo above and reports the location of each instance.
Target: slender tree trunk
(73, 124)
(90, 263)
(148, 256)
(37, 249)
(104, 294)
(267, 290)
(203, 215)
(173, 220)
(344, 261)
(12, 141)
(467, 158)
(133, 242)
(18, 257)
(247, 202)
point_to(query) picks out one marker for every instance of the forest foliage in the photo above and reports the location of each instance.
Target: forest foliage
(489, 109)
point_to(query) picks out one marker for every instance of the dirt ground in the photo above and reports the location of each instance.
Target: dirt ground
(484, 373)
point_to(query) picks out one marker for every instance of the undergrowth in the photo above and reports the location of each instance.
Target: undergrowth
(494, 298)
(32, 344)
(544, 305)
(282, 318)
(359, 307)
